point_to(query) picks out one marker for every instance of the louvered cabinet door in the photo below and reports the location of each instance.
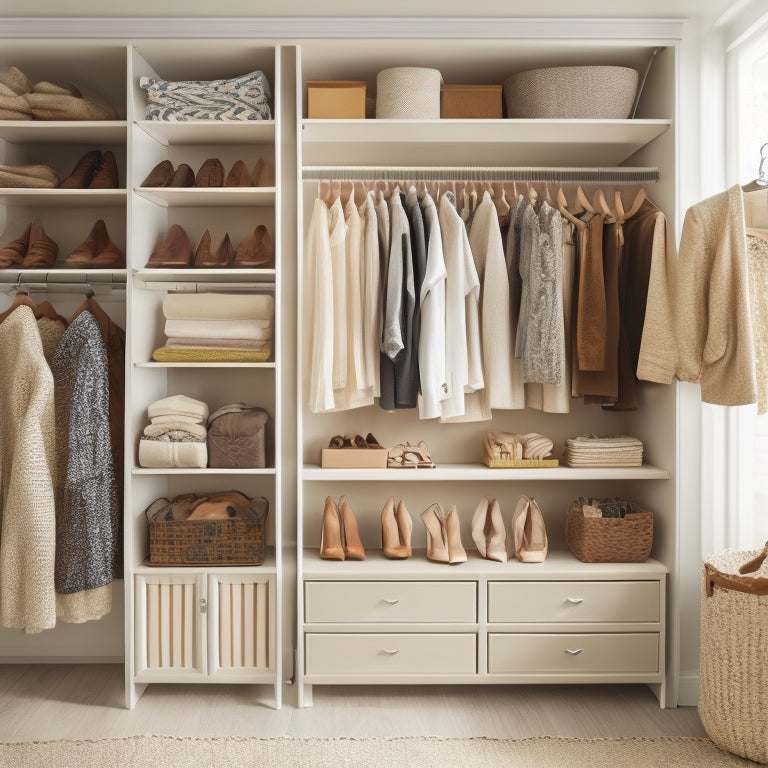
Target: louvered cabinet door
(241, 616)
(170, 641)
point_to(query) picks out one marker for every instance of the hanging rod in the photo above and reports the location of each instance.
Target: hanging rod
(56, 286)
(177, 286)
(475, 173)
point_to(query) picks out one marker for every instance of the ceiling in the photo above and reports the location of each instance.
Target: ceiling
(354, 8)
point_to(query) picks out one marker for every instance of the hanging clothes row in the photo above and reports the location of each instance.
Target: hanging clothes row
(449, 298)
(61, 400)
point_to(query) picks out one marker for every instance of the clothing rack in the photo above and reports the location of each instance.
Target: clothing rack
(614, 175)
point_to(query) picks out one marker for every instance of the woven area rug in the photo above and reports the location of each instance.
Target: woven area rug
(419, 752)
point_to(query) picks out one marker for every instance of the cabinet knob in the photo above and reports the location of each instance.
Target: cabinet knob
(574, 651)
(575, 600)
(390, 652)
(391, 600)
(203, 605)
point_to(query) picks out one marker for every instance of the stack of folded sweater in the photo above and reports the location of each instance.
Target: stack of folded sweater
(217, 327)
(176, 435)
(593, 451)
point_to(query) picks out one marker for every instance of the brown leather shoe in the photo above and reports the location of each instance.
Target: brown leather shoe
(184, 177)
(211, 174)
(203, 251)
(222, 256)
(263, 174)
(160, 175)
(225, 253)
(106, 176)
(174, 251)
(255, 250)
(12, 254)
(239, 176)
(97, 250)
(83, 172)
(42, 251)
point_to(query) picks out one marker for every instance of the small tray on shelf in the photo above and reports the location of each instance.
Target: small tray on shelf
(521, 463)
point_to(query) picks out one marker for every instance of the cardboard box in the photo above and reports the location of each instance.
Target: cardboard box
(336, 99)
(354, 458)
(480, 102)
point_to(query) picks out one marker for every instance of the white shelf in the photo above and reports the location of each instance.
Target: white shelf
(153, 364)
(558, 565)
(496, 142)
(268, 566)
(63, 198)
(210, 131)
(185, 279)
(465, 472)
(64, 131)
(210, 197)
(267, 471)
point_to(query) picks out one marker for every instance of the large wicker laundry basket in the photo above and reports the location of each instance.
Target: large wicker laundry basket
(733, 675)
(408, 93)
(565, 93)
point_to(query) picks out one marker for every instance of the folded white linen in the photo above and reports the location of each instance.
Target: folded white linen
(190, 431)
(180, 405)
(219, 306)
(168, 453)
(257, 330)
(176, 342)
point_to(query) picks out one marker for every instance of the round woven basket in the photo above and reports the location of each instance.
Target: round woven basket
(562, 93)
(408, 93)
(733, 676)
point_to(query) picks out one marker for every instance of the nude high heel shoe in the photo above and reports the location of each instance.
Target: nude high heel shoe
(395, 530)
(433, 518)
(353, 547)
(456, 552)
(529, 531)
(330, 535)
(488, 531)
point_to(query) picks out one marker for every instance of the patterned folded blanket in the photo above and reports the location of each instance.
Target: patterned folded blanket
(246, 97)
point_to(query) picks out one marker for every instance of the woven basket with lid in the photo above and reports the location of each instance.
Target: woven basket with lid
(408, 93)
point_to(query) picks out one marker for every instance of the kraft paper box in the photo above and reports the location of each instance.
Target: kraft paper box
(481, 102)
(336, 99)
(354, 458)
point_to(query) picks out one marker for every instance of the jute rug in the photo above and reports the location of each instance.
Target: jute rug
(419, 752)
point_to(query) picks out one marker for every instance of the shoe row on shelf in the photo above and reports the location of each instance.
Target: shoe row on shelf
(211, 174)
(526, 539)
(255, 251)
(34, 249)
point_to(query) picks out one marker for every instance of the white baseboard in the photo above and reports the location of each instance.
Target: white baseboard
(61, 660)
(688, 690)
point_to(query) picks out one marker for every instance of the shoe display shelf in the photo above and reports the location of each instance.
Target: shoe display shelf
(200, 624)
(415, 621)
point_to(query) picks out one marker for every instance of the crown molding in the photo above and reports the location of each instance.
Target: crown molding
(316, 27)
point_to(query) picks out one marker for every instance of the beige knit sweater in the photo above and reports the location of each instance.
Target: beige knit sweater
(27, 462)
(707, 306)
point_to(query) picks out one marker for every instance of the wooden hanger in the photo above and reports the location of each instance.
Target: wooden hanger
(600, 204)
(639, 198)
(582, 201)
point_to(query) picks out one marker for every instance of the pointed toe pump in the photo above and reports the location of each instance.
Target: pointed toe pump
(210, 174)
(433, 518)
(529, 531)
(330, 534)
(456, 552)
(396, 529)
(353, 546)
(488, 531)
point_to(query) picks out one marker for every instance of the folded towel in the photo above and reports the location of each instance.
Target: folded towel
(232, 328)
(169, 453)
(218, 306)
(179, 405)
(173, 418)
(211, 355)
(177, 343)
(177, 429)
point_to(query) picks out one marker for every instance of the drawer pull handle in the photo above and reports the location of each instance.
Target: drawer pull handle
(391, 600)
(575, 600)
(574, 651)
(391, 653)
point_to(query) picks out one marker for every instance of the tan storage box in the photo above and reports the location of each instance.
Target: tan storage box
(354, 458)
(480, 102)
(336, 99)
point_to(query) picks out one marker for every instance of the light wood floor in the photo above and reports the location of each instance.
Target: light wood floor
(41, 702)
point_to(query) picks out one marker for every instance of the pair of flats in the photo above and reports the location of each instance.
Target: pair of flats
(94, 170)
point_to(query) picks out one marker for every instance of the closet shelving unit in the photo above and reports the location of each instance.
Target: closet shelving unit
(379, 621)
(200, 624)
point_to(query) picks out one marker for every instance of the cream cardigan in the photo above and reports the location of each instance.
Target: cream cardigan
(708, 307)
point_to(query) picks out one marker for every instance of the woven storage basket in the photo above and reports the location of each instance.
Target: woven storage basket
(733, 675)
(609, 539)
(561, 93)
(239, 540)
(408, 93)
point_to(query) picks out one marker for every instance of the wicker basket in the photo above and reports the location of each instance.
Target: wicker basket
(609, 539)
(559, 93)
(238, 540)
(733, 676)
(408, 93)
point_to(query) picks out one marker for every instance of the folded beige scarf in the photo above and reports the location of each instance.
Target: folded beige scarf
(218, 306)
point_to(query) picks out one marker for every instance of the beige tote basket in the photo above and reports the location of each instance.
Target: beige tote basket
(569, 93)
(408, 93)
(733, 675)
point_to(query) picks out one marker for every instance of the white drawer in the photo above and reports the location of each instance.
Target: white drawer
(569, 653)
(391, 654)
(575, 601)
(390, 601)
